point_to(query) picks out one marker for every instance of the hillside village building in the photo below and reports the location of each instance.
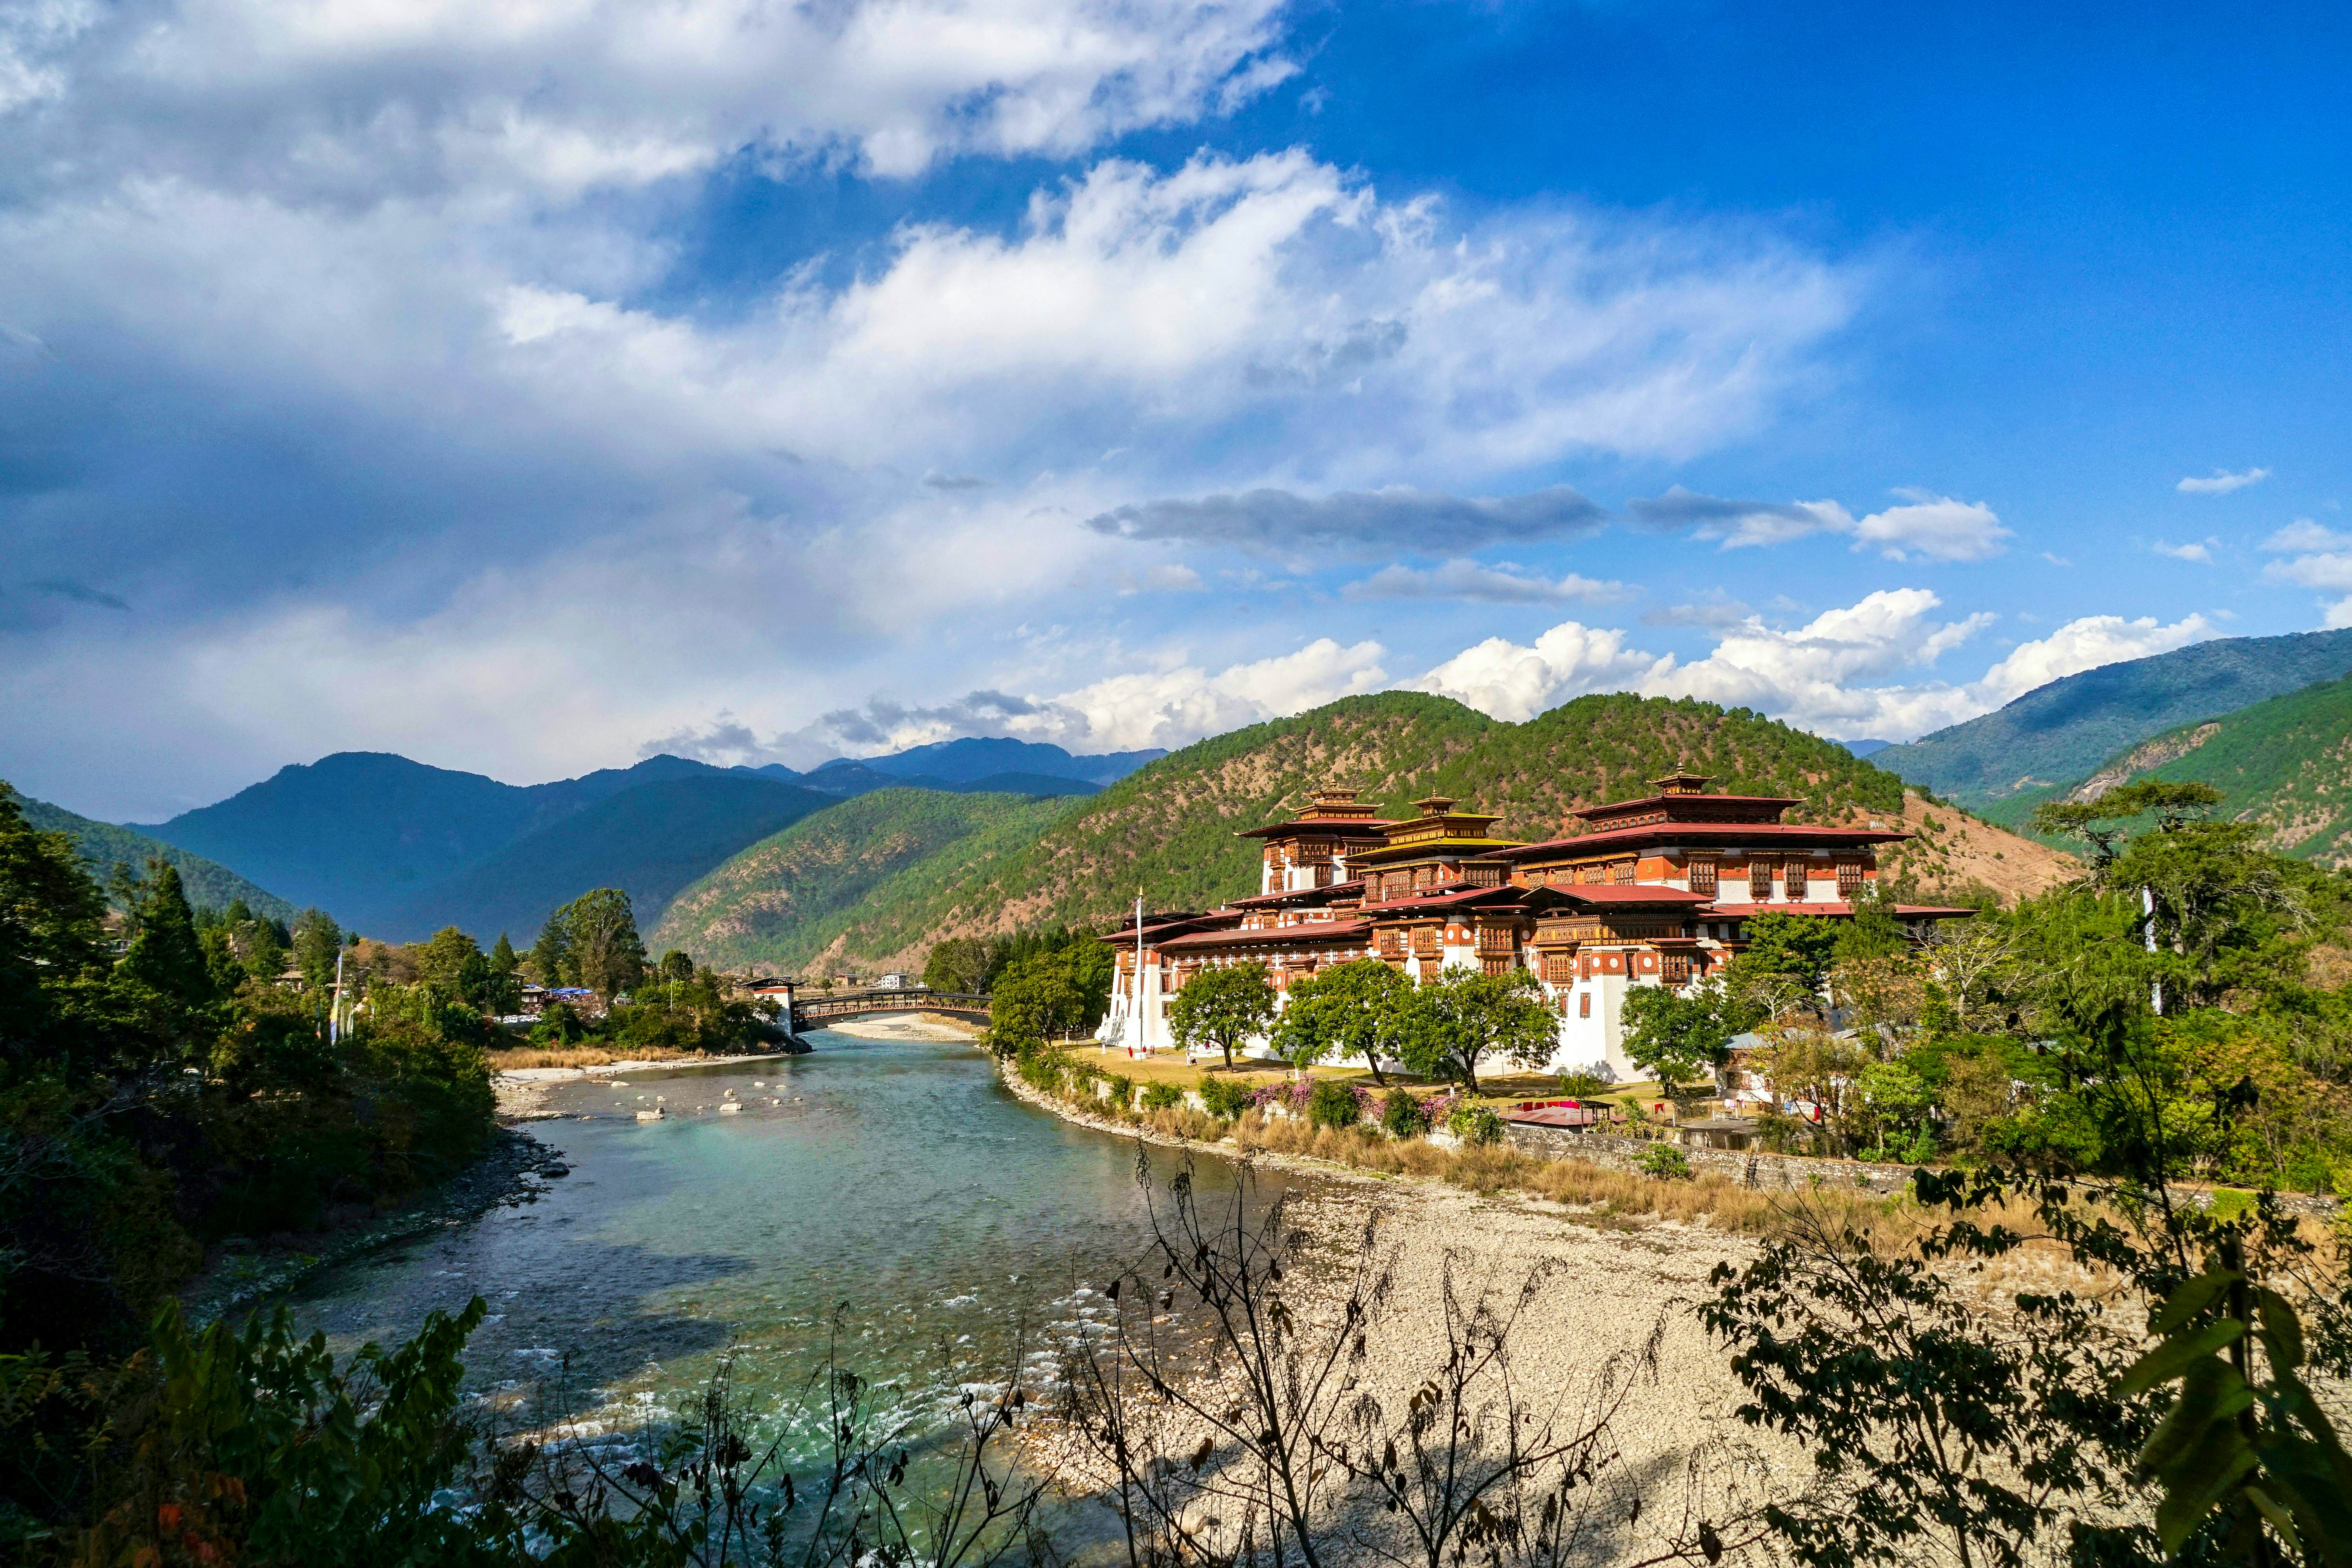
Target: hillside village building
(1654, 891)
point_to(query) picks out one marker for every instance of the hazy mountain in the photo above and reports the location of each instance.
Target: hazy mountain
(1867, 748)
(2062, 733)
(974, 759)
(649, 841)
(104, 846)
(386, 845)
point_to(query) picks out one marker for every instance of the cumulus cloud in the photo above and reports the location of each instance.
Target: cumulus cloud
(2201, 550)
(1499, 584)
(2221, 483)
(1833, 674)
(1508, 681)
(1356, 521)
(1170, 577)
(1927, 526)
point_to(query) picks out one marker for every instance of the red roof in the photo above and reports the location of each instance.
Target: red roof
(1372, 824)
(1672, 802)
(1316, 931)
(1699, 832)
(1927, 911)
(1626, 893)
(1295, 895)
(1455, 896)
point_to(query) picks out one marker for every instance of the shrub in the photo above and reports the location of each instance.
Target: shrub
(1122, 1091)
(1666, 1161)
(1224, 1097)
(1333, 1104)
(1474, 1124)
(1162, 1097)
(1583, 1084)
(1402, 1115)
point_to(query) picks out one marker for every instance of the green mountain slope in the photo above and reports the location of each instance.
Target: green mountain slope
(865, 874)
(104, 844)
(2286, 764)
(2058, 733)
(1170, 826)
(649, 841)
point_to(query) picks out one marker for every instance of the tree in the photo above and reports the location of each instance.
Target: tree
(957, 963)
(502, 992)
(166, 955)
(1222, 1005)
(600, 930)
(1680, 1038)
(317, 940)
(1464, 1016)
(1873, 932)
(1351, 1009)
(1036, 997)
(1783, 963)
(51, 928)
(2097, 824)
(453, 966)
(552, 963)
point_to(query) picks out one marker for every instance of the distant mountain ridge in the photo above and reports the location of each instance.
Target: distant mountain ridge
(2285, 764)
(1171, 825)
(2000, 763)
(104, 846)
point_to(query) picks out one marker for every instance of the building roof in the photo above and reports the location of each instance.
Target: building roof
(1308, 896)
(1315, 934)
(1836, 910)
(1450, 896)
(1628, 893)
(1364, 826)
(1725, 833)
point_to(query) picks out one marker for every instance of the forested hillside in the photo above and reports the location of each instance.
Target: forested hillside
(874, 868)
(209, 884)
(1170, 828)
(2285, 763)
(2002, 764)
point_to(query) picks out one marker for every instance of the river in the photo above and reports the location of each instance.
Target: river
(887, 1196)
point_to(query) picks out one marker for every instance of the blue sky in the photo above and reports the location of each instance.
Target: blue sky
(527, 391)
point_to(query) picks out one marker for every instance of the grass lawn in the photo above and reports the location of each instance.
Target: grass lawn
(1496, 1090)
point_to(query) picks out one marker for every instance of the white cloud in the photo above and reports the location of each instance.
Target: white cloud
(2305, 534)
(1830, 675)
(347, 96)
(2318, 557)
(1170, 577)
(1175, 706)
(1933, 527)
(1502, 678)
(2221, 483)
(2201, 552)
(1501, 585)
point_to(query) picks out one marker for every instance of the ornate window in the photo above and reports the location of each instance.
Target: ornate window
(1850, 880)
(1584, 1003)
(1702, 877)
(1759, 877)
(1623, 871)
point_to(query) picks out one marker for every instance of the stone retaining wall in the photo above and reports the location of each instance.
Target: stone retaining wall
(1785, 1172)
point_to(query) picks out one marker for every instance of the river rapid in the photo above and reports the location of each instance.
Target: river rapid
(886, 1198)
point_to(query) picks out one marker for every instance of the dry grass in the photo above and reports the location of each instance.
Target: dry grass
(1579, 1183)
(1169, 1067)
(516, 1057)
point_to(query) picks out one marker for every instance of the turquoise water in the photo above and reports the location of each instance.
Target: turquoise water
(888, 1196)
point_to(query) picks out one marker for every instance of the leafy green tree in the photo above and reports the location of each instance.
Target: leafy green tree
(1222, 1005)
(1682, 1039)
(1872, 932)
(600, 934)
(452, 964)
(1351, 1009)
(1038, 997)
(52, 926)
(1464, 1016)
(1782, 968)
(957, 963)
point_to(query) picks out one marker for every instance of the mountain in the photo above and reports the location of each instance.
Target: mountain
(2285, 762)
(846, 777)
(649, 841)
(1170, 826)
(976, 759)
(2059, 734)
(104, 844)
(790, 897)
(398, 848)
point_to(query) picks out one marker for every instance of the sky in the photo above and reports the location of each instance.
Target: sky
(532, 388)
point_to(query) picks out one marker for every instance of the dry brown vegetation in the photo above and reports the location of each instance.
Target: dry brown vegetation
(1953, 850)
